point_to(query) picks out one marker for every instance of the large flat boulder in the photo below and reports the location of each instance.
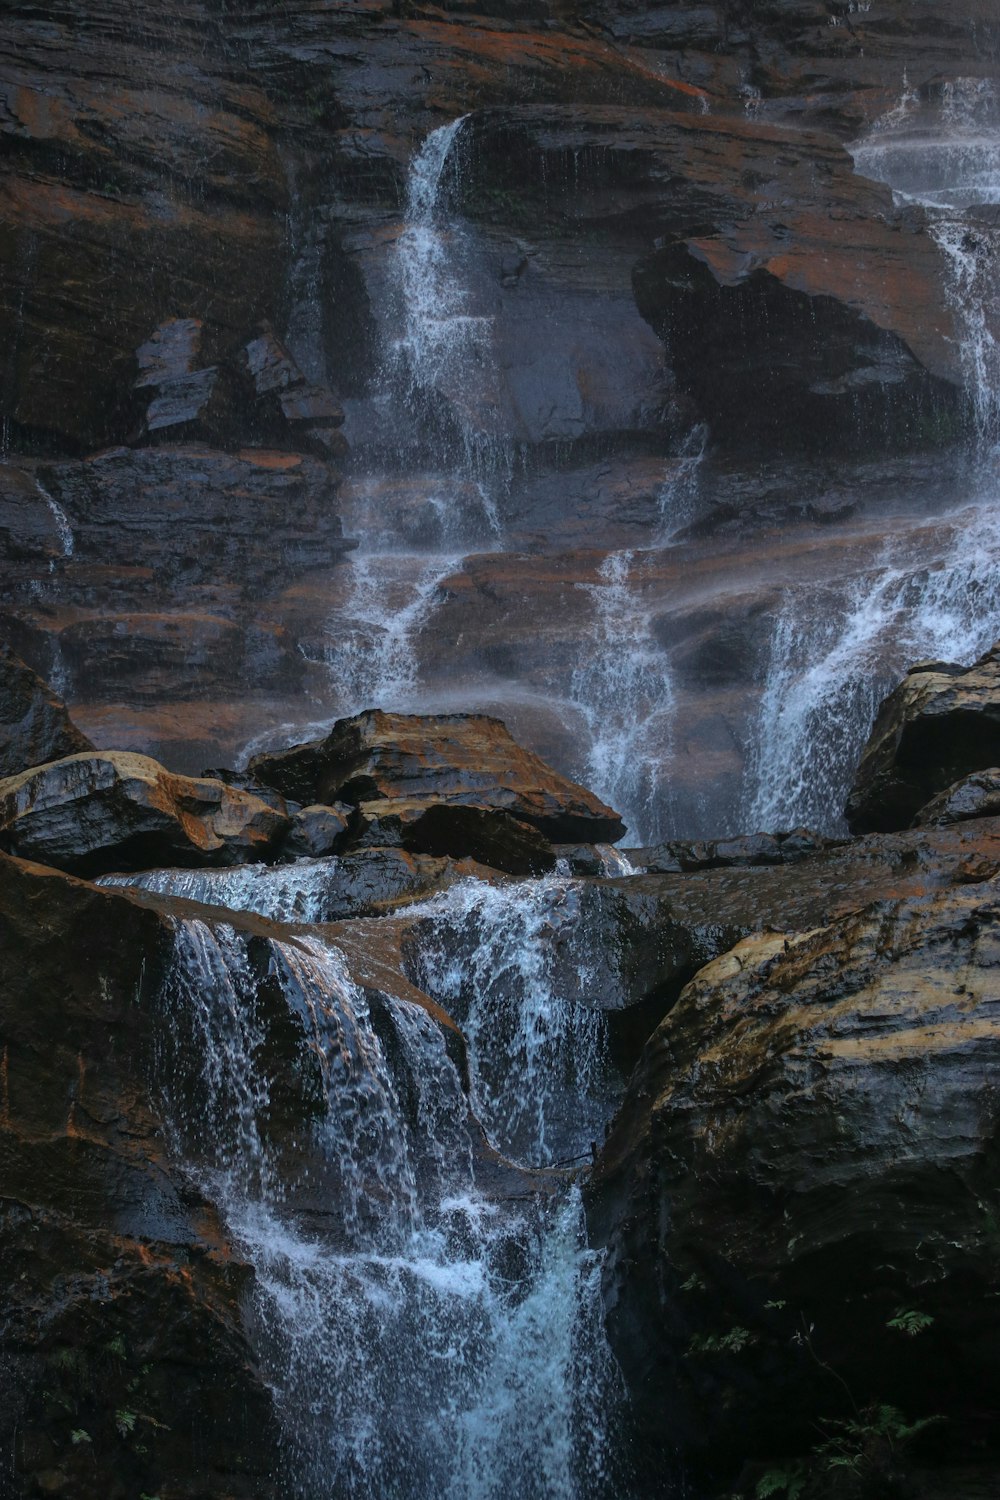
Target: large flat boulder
(34, 724)
(465, 759)
(800, 1182)
(112, 810)
(940, 724)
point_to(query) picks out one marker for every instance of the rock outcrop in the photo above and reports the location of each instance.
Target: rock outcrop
(34, 724)
(939, 725)
(466, 760)
(804, 1161)
(122, 1292)
(112, 810)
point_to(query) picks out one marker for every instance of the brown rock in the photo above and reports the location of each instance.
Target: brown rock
(481, 833)
(935, 728)
(34, 724)
(317, 830)
(458, 758)
(97, 812)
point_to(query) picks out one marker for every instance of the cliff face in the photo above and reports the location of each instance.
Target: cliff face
(658, 224)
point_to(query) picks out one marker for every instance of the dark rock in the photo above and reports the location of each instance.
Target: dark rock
(743, 851)
(317, 830)
(121, 1290)
(481, 833)
(31, 527)
(172, 351)
(803, 1153)
(97, 812)
(976, 796)
(932, 730)
(34, 724)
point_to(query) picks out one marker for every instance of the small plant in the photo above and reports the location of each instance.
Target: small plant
(733, 1342)
(909, 1320)
(776, 1305)
(790, 1481)
(850, 1442)
(125, 1421)
(80, 1435)
(694, 1283)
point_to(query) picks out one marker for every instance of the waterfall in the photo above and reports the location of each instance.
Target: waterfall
(622, 686)
(420, 1340)
(298, 892)
(944, 154)
(514, 965)
(373, 639)
(837, 649)
(60, 518)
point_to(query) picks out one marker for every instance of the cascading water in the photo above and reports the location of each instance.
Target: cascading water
(943, 153)
(623, 689)
(935, 592)
(421, 1341)
(513, 965)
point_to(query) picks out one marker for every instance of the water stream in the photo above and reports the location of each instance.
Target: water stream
(422, 1339)
(933, 592)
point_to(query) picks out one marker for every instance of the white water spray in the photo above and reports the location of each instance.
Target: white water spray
(420, 1341)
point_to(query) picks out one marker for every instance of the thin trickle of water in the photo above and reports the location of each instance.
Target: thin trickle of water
(838, 649)
(679, 495)
(420, 1341)
(513, 964)
(60, 518)
(372, 646)
(624, 691)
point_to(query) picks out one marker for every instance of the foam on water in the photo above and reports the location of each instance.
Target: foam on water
(296, 892)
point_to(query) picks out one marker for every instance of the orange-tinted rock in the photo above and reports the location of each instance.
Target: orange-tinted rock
(459, 758)
(96, 812)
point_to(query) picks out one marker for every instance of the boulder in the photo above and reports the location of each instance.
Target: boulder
(456, 830)
(110, 810)
(976, 796)
(34, 724)
(940, 724)
(802, 1180)
(317, 830)
(466, 759)
(744, 850)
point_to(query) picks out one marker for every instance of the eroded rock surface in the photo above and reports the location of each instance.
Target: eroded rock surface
(805, 1151)
(939, 725)
(34, 724)
(95, 812)
(459, 759)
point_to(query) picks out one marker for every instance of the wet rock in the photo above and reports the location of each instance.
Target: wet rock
(96, 812)
(34, 724)
(743, 851)
(802, 1156)
(976, 796)
(122, 1290)
(317, 830)
(481, 833)
(932, 730)
(465, 759)
(31, 529)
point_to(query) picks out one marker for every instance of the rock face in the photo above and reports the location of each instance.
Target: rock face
(456, 759)
(807, 1143)
(940, 724)
(92, 813)
(121, 1291)
(975, 796)
(34, 724)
